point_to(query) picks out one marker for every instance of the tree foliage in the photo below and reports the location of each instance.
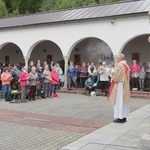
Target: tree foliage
(31, 6)
(17, 7)
(3, 9)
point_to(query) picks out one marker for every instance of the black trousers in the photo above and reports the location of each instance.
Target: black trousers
(134, 83)
(32, 92)
(90, 89)
(104, 85)
(147, 84)
(82, 81)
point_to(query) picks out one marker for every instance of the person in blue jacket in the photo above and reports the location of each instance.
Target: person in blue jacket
(71, 75)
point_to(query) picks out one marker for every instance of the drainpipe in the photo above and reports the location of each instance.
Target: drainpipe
(66, 59)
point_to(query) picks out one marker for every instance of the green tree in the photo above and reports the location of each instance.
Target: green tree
(15, 13)
(23, 6)
(47, 5)
(3, 9)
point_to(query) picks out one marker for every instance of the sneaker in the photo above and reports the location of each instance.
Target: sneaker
(56, 95)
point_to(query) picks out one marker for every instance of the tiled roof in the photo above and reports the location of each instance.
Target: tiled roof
(100, 11)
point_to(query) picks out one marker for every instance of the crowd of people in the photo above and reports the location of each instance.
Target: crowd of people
(92, 76)
(42, 80)
(35, 80)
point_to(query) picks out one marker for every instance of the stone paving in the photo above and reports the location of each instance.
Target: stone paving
(50, 124)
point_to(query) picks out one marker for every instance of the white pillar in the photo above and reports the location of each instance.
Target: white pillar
(26, 61)
(66, 59)
(115, 60)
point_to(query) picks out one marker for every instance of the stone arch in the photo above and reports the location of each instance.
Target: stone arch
(91, 49)
(137, 47)
(132, 38)
(36, 43)
(45, 50)
(11, 52)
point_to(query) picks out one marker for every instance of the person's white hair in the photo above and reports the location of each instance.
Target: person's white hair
(120, 55)
(33, 68)
(103, 63)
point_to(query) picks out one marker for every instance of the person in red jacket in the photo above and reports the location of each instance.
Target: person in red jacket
(55, 80)
(134, 70)
(24, 77)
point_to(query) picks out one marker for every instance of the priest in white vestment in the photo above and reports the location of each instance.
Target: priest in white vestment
(119, 92)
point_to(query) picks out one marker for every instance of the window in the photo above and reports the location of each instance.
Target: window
(77, 59)
(49, 59)
(7, 59)
(136, 56)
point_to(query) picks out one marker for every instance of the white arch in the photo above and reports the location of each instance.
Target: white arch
(80, 40)
(36, 43)
(132, 38)
(4, 44)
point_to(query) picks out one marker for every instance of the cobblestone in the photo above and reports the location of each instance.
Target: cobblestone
(53, 123)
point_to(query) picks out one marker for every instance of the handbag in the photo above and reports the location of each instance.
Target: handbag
(28, 83)
(93, 94)
(135, 75)
(38, 84)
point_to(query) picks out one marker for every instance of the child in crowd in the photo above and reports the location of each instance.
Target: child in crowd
(89, 85)
(142, 75)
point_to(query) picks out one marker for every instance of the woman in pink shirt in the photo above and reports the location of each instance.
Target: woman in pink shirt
(134, 70)
(55, 81)
(24, 77)
(6, 78)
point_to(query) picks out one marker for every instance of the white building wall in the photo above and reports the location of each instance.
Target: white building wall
(65, 35)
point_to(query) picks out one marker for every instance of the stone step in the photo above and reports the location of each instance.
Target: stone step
(135, 94)
(141, 96)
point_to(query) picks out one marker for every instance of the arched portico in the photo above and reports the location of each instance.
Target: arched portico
(45, 50)
(137, 48)
(11, 53)
(88, 49)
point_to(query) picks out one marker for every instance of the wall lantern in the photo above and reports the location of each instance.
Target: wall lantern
(44, 50)
(76, 49)
(112, 21)
(17, 51)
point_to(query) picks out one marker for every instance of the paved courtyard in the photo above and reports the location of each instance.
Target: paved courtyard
(50, 124)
